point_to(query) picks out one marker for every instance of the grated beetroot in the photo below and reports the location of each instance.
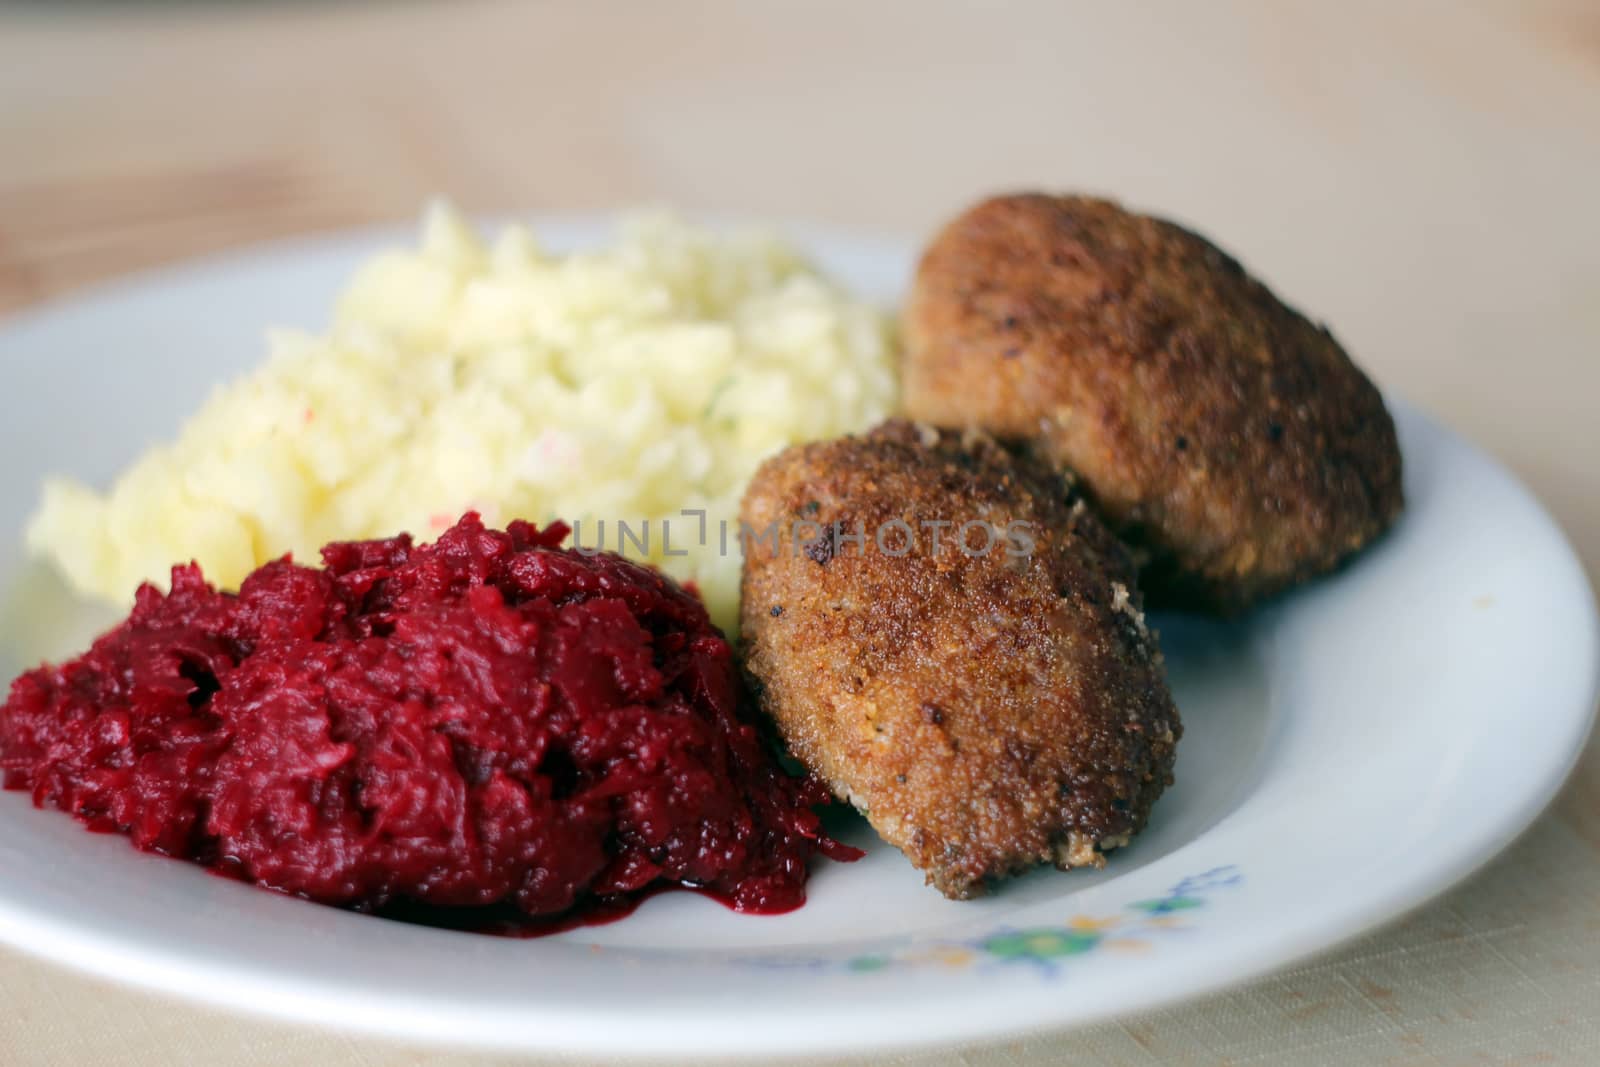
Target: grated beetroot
(486, 720)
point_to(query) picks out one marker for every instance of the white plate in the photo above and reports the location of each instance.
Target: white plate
(1349, 753)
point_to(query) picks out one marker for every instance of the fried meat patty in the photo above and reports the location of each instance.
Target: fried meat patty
(990, 704)
(1224, 435)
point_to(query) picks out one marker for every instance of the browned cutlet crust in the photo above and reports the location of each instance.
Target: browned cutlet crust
(1221, 432)
(988, 712)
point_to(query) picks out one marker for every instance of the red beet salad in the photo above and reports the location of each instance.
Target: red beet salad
(487, 720)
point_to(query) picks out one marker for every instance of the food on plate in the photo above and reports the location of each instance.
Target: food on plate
(957, 648)
(489, 719)
(628, 384)
(1222, 433)
(944, 617)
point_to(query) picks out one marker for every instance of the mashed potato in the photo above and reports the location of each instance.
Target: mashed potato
(629, 384)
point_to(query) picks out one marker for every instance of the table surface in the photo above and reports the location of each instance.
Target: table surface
(1421, 176)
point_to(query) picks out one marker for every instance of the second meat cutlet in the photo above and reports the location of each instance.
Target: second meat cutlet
(990, 705)
(1219, 431)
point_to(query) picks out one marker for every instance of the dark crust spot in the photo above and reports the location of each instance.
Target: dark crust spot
(821, 550)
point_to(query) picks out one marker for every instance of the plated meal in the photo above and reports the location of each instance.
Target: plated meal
(1107, 403)
(574, 565)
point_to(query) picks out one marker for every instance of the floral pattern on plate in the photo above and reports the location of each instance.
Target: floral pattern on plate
(1046, 948)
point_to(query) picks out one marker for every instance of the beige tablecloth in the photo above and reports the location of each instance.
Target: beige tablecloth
(1422, 176)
